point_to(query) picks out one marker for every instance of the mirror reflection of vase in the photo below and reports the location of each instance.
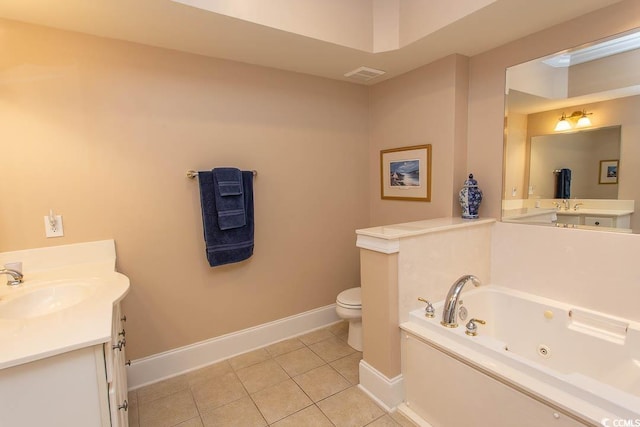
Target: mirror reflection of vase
(470, 198)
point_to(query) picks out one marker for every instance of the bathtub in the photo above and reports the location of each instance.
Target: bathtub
(581, 365)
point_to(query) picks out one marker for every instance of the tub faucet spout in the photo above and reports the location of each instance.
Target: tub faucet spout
(16, 276)
(451, 302)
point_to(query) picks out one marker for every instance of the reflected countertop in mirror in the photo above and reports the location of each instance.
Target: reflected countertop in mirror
(597, 214)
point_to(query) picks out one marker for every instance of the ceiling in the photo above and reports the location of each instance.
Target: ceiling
(172, 25)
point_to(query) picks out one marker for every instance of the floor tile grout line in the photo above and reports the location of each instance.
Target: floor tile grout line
(300, 410)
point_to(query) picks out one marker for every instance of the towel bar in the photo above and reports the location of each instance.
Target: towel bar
(191, 174)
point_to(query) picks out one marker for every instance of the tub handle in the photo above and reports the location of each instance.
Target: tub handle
(429, 311)
(472, 328)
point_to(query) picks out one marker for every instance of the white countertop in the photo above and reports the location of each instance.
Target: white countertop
(522, 213)
(84, 324)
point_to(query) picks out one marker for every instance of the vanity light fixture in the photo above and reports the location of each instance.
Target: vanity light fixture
(564, 123)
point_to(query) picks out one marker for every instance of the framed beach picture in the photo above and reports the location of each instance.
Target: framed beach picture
(608, 172)
(406, 173)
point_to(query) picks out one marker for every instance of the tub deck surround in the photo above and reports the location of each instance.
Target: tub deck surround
(399, 263)
(90, 265)
(577, 361)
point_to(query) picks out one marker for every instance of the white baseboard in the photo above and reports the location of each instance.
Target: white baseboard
(415, 418)
(387, 392)
(194, 356)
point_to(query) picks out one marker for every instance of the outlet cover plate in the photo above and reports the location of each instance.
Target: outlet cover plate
(50, 231)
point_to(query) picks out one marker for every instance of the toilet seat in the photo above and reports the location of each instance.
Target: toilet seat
(350, 298)
(349, 308)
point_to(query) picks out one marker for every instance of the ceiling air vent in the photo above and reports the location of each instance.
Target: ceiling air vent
(364, 74)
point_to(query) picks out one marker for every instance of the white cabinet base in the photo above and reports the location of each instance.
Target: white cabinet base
(59, 391)
(80, 388)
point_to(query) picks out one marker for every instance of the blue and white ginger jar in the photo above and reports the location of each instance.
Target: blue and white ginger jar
(470, 197)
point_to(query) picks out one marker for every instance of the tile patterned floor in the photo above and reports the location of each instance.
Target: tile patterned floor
(310, 381)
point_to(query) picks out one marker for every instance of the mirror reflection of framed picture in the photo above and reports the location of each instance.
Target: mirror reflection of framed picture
(608, 172)
(405, 173)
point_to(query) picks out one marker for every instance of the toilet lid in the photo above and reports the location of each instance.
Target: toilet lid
(351, 297)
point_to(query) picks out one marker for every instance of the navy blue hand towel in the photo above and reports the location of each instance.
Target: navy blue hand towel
(563, 184)
(229, 198)
(231, 245)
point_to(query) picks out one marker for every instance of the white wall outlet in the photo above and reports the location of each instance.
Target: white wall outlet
(53, 228)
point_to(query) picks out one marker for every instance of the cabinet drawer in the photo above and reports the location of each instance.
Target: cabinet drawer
(598, 221)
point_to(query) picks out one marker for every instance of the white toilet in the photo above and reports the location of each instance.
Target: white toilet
(349, 307)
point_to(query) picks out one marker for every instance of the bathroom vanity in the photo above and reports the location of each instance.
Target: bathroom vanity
(606, 215)
(62, 362)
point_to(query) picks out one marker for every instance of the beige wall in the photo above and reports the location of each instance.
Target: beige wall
(487, 82)
(380, 334)
(424, 106)
(419, 17)
(104, 131)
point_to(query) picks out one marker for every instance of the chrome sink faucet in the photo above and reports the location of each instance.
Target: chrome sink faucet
(451, 302)
(16, 276)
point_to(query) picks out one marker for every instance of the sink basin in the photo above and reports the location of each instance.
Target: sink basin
(44, 300)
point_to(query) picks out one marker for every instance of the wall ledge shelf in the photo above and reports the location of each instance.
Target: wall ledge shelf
(386, 239)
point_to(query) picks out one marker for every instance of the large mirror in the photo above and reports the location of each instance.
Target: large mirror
(572, 138)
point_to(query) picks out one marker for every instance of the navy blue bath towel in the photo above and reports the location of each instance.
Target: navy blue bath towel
(563, 184)
(225, 246)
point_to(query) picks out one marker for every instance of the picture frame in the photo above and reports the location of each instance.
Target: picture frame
(405, 173)
(608, 172)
